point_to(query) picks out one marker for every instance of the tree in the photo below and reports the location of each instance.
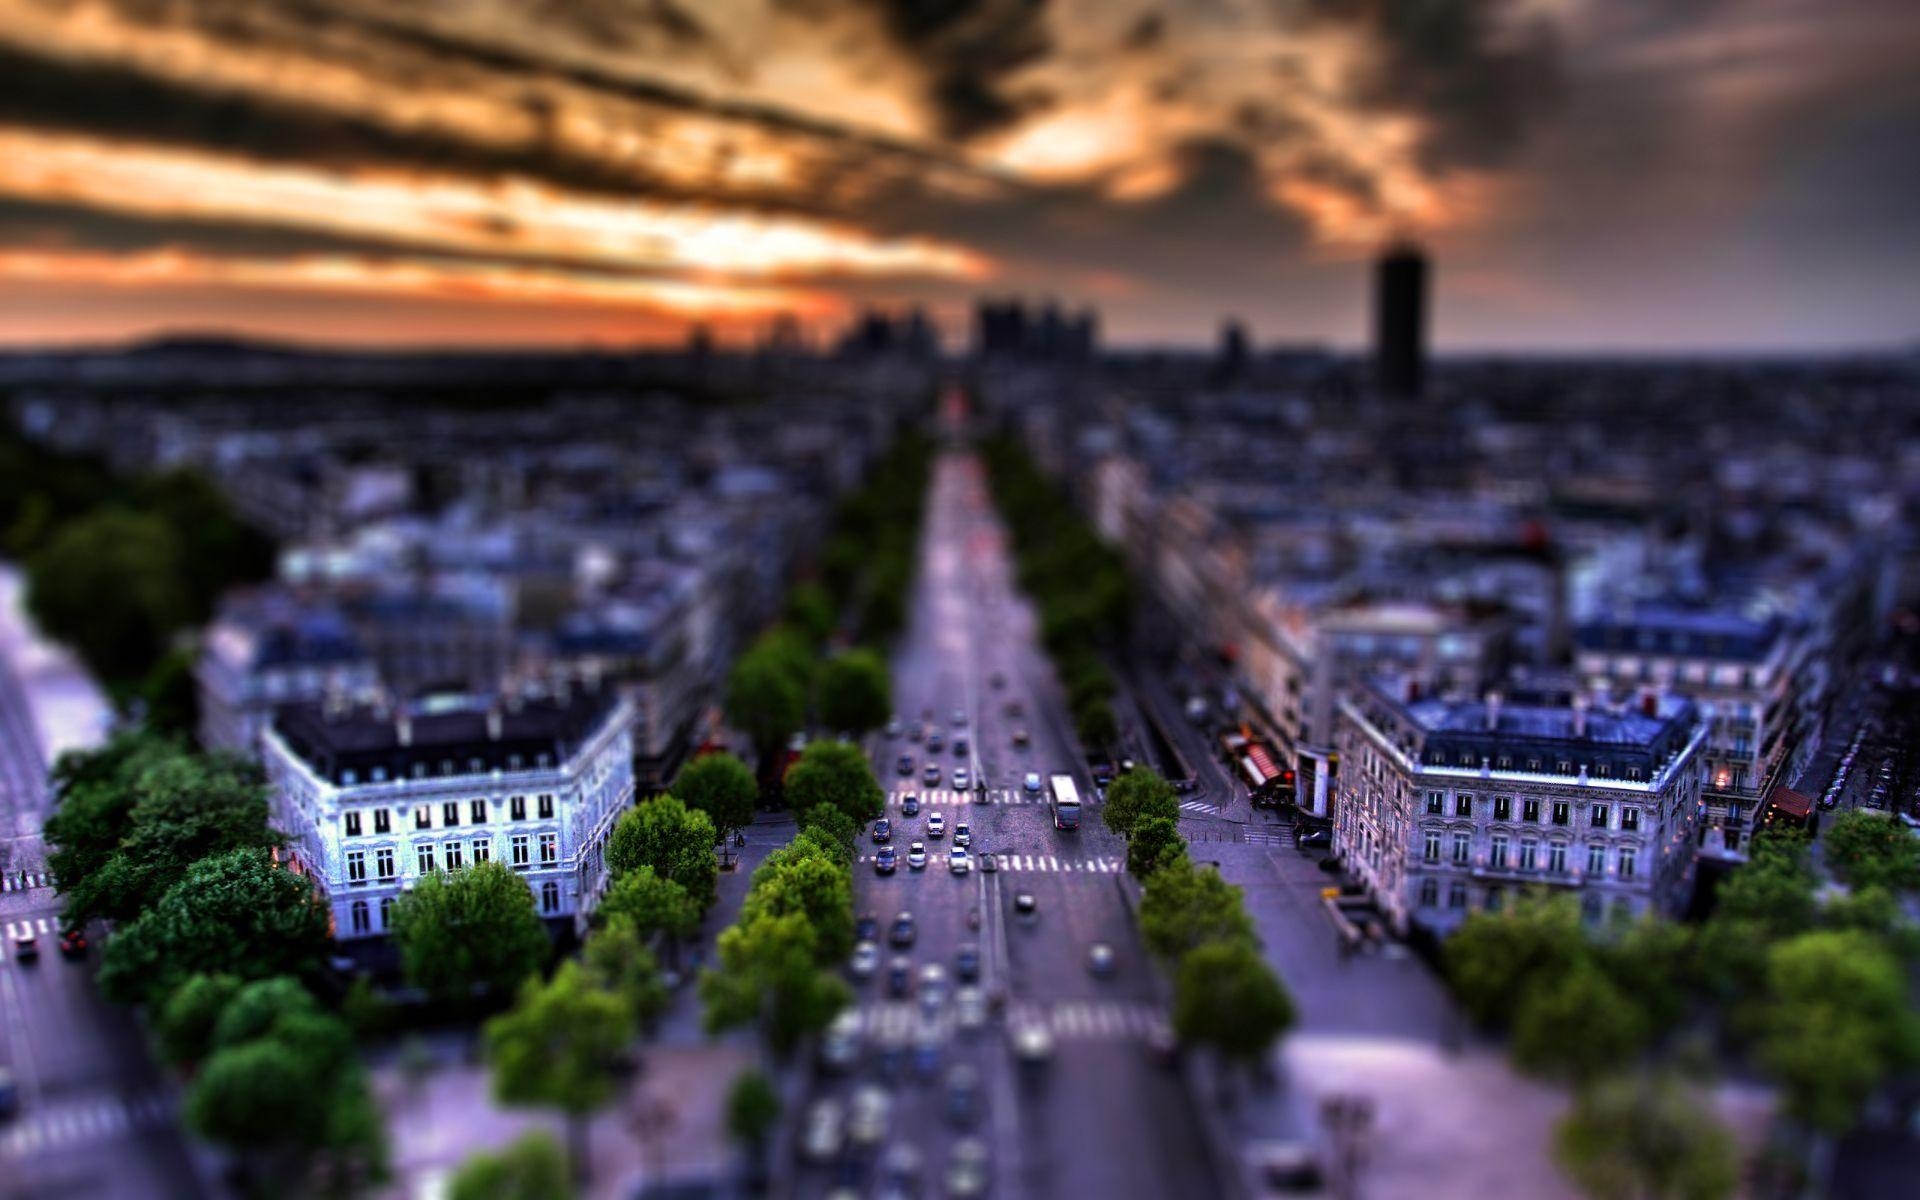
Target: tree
(619, 960)
(829, 828)
(675, 841)
(1225, 996)
(766, 699)
(1640, 1138)
(1575, 1025)
(186, 1022)
(238, 913)
(560, 1047)
(109, 584)
(1140, 794)
(1652, 962)
(1095, 723)
(721, 786)
(1185, 906)
(653, 905)
(468, 931)
(1835, 1022)
(838, 774)
(263, 1006)
(185, 808)
(1495, 957)
(1154, 843)
(766, 972)
(812, 611)
(856, 692)
(753, 1106)
(802, 878)
(97, 791)
(533, 1167)
(1869, 849)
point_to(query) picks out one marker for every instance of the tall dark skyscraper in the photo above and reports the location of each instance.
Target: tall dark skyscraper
(1400, 321)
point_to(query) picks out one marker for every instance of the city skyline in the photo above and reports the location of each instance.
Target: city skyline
(1718, 175)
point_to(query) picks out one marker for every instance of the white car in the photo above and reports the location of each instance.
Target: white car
(825, 1132)
(1031, 782)
(963, 834)
(961, 779)
(959, 861)
(917, 856)
(969, 1008)
(865, 961)
(867, 1118)
(936, 826)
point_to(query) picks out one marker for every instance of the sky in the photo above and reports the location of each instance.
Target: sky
(1588, 175)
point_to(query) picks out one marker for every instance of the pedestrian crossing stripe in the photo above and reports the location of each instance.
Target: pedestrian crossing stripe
(24, 881)
(934, 798)
(1200, 807)
(30, 926)
(1031, 862)
(901, 1021)
(74, 1123)
(1261, 837)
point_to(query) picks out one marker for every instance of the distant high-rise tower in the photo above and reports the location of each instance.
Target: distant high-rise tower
(1400, 321)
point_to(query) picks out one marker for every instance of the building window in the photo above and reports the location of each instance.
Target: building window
(1529, 854)
(1633, 773)
(549, 897)
(518, 805)
(482, 850)
(1596, 860)
(1429, 893)
(549, 848)
(1462, 846)
(423, 816)
(386, 912)
(1456, 894)
(383, 862)
(1629, 818)
(1557, 858)
(1463, 805)
(423, 858)
(1628, 863)
(382, 821)
(1562, 812)
(1599, 817)
(353, 824)
(1436, 803)
(450, 813)
(1499, 854)
(455, 859)
(1530, 810)
(1433, 846)
(1503, 808)
(546, 807)
(1590, 908)
(1496, 899)
(520, 850)
(356, 866)
(479, 808)
(361, 917)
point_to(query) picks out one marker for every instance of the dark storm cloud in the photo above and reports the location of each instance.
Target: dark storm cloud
(968, 50)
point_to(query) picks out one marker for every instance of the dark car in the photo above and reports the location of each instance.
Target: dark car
(904, 765)
(902, 933)
(1024, 904)
(1314, 839)
(910, 805)
(867, 928)
(899, 977)
(73, 943)
(883, 830)
(966, 963)
(885, 862)
(986, 861)
(26, 947)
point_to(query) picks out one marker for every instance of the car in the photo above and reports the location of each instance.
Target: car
(865, 961)
(936, 741)
(1313, 839)
(958, 717)
(959, 745)
(1024, 904)
(1032, 1044)
(868, 1116)
(866, 927)
(927, 1046)
(73, 943)
(1031, 782)
(909, 805)
(900, 1170)
(886, 861)
(966, 962)
(917, 856)
(962, 779)
(959, 862)
(840, 1045)
(903, 931)
(893, 727)
(915, 732)
(904, 764)
(1287, 1169)
(931, 776)
(1100, 960)
(988, 861)
(824, 1133)
(933, 987)
(936, 825)
(899, 977)
(883, 830)
(963, 834)
(963, 1095)
(969, 1008)
(1013, 708)
(1021, 738)
(967, 1169)
(26, 947)
(1163, 1046)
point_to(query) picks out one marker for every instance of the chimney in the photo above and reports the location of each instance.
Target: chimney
(493, 722)
(1412, 690)
(1493, 711)
(403, 727)
(1580, 716)
(1649, 702)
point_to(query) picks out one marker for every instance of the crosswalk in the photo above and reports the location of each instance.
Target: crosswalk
(1085, 1020)
(44, 926)
(63, 1124)
(937, 798)
(1283, 836)
(1041, 863)
(24, 881)
(1199, 808)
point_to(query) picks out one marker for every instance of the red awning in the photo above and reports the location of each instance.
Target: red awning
(1263, 762)
(1790, 802)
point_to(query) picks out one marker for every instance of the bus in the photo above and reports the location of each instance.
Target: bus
(1066, 802)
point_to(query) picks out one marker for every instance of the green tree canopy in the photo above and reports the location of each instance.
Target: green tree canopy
(258, 1008)
(1185, 906)
(618, 959)
(836, 773)
(830, 829)
(1869, 849)
(721, 786)
(1652, 962)
(469, 931)
(653, 905)
(237, 913)
(1225, 996)
(767, 696)
(1576, 1025)
(1495, 958)
(532, 1167)
(1095, 723)
(1139, 795)
(752, 1108)
(766, 973)
(812, 611)
(1154, 843)
(184, 1028)
(97, 790)
(802, 878)
(111, 585)
(677, 842)
(1837, 1019)
(1639, 1138)
(856, 692)
(560, 1047)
